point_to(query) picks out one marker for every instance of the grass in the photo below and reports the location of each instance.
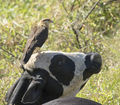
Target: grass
(17, 18)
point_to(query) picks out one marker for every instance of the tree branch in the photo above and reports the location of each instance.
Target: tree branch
(92, 9)
(76, 31)
(72, 7)
(63, 5)
(7, 52)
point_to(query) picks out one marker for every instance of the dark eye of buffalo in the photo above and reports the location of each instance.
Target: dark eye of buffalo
(62, 68)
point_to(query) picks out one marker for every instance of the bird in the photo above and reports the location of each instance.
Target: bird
(38, 36)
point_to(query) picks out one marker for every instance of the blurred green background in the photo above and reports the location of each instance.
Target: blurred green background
(100, 33)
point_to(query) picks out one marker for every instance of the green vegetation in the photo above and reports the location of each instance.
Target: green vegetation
(100, 33)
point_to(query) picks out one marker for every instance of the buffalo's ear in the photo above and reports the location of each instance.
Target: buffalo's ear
(10, 90)
(34, 92)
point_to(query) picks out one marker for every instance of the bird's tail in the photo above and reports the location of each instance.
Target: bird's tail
(27, 54)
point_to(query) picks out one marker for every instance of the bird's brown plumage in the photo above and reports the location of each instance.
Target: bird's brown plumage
(38, 36)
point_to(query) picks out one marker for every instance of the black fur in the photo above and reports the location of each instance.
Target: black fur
(72, 101)
(39, 86)
(93, 62)
(34, 88)
(62, 68)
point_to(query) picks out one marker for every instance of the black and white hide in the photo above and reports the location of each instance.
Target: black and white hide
(72, 101)
(49, 75)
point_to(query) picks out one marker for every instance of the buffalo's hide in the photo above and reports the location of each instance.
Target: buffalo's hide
(49, 75)
(72, 101)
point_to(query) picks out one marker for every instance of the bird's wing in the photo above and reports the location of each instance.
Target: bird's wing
(36, 39)
(41, 35)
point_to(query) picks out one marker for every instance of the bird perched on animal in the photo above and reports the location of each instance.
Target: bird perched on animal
(38, 36)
